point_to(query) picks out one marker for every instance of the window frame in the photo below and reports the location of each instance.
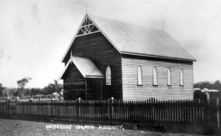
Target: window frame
(139, 76)
(108, 76)
(181, 77)
(155, 76)
(169, 81)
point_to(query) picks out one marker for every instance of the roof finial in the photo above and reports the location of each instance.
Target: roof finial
(85, 2)
(164, 18)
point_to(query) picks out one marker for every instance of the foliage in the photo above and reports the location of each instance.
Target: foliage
(10, 92)
(210, 85)
(52, 87)
(21, 85)
(1, 89)
(22, 91)
(35, 91)
(22, 82)
(31, 91)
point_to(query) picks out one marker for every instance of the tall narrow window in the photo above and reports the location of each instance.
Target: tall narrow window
(155, 76)
(181, 77)
(108, 75)
(168, 76)
(139, 76)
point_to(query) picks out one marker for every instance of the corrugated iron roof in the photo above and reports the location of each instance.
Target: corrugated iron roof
(139, 40)
(86, 67)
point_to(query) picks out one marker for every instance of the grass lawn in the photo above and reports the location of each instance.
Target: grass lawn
(10, 127)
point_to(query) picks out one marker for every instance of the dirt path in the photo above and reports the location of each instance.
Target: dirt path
(31, 128)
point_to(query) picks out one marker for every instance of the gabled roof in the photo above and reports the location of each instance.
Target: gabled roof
(139, 40)
(85, 66)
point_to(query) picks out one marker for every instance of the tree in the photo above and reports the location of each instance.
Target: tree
(52, 87)
(1, 89)
(21, 85)
(35, 91)
(210, 85)
(10, 92)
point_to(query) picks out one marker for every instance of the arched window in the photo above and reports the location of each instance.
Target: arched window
(139, 76)
(168, 76)
(108, 75)
(181, 77)
(155, 76)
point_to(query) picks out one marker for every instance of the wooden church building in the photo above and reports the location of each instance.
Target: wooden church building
(110, 58)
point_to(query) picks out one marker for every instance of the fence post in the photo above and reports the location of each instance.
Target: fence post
(51, 109)
(79, 108)
(217, 113)
(8, 107)
(112, 108)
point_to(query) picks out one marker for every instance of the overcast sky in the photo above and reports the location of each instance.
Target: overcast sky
(34, 34)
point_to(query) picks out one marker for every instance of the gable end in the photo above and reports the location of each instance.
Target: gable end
(87, 27)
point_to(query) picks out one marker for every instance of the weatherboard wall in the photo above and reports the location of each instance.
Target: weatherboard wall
(132, 91)
(74, 83)
(98, 49)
